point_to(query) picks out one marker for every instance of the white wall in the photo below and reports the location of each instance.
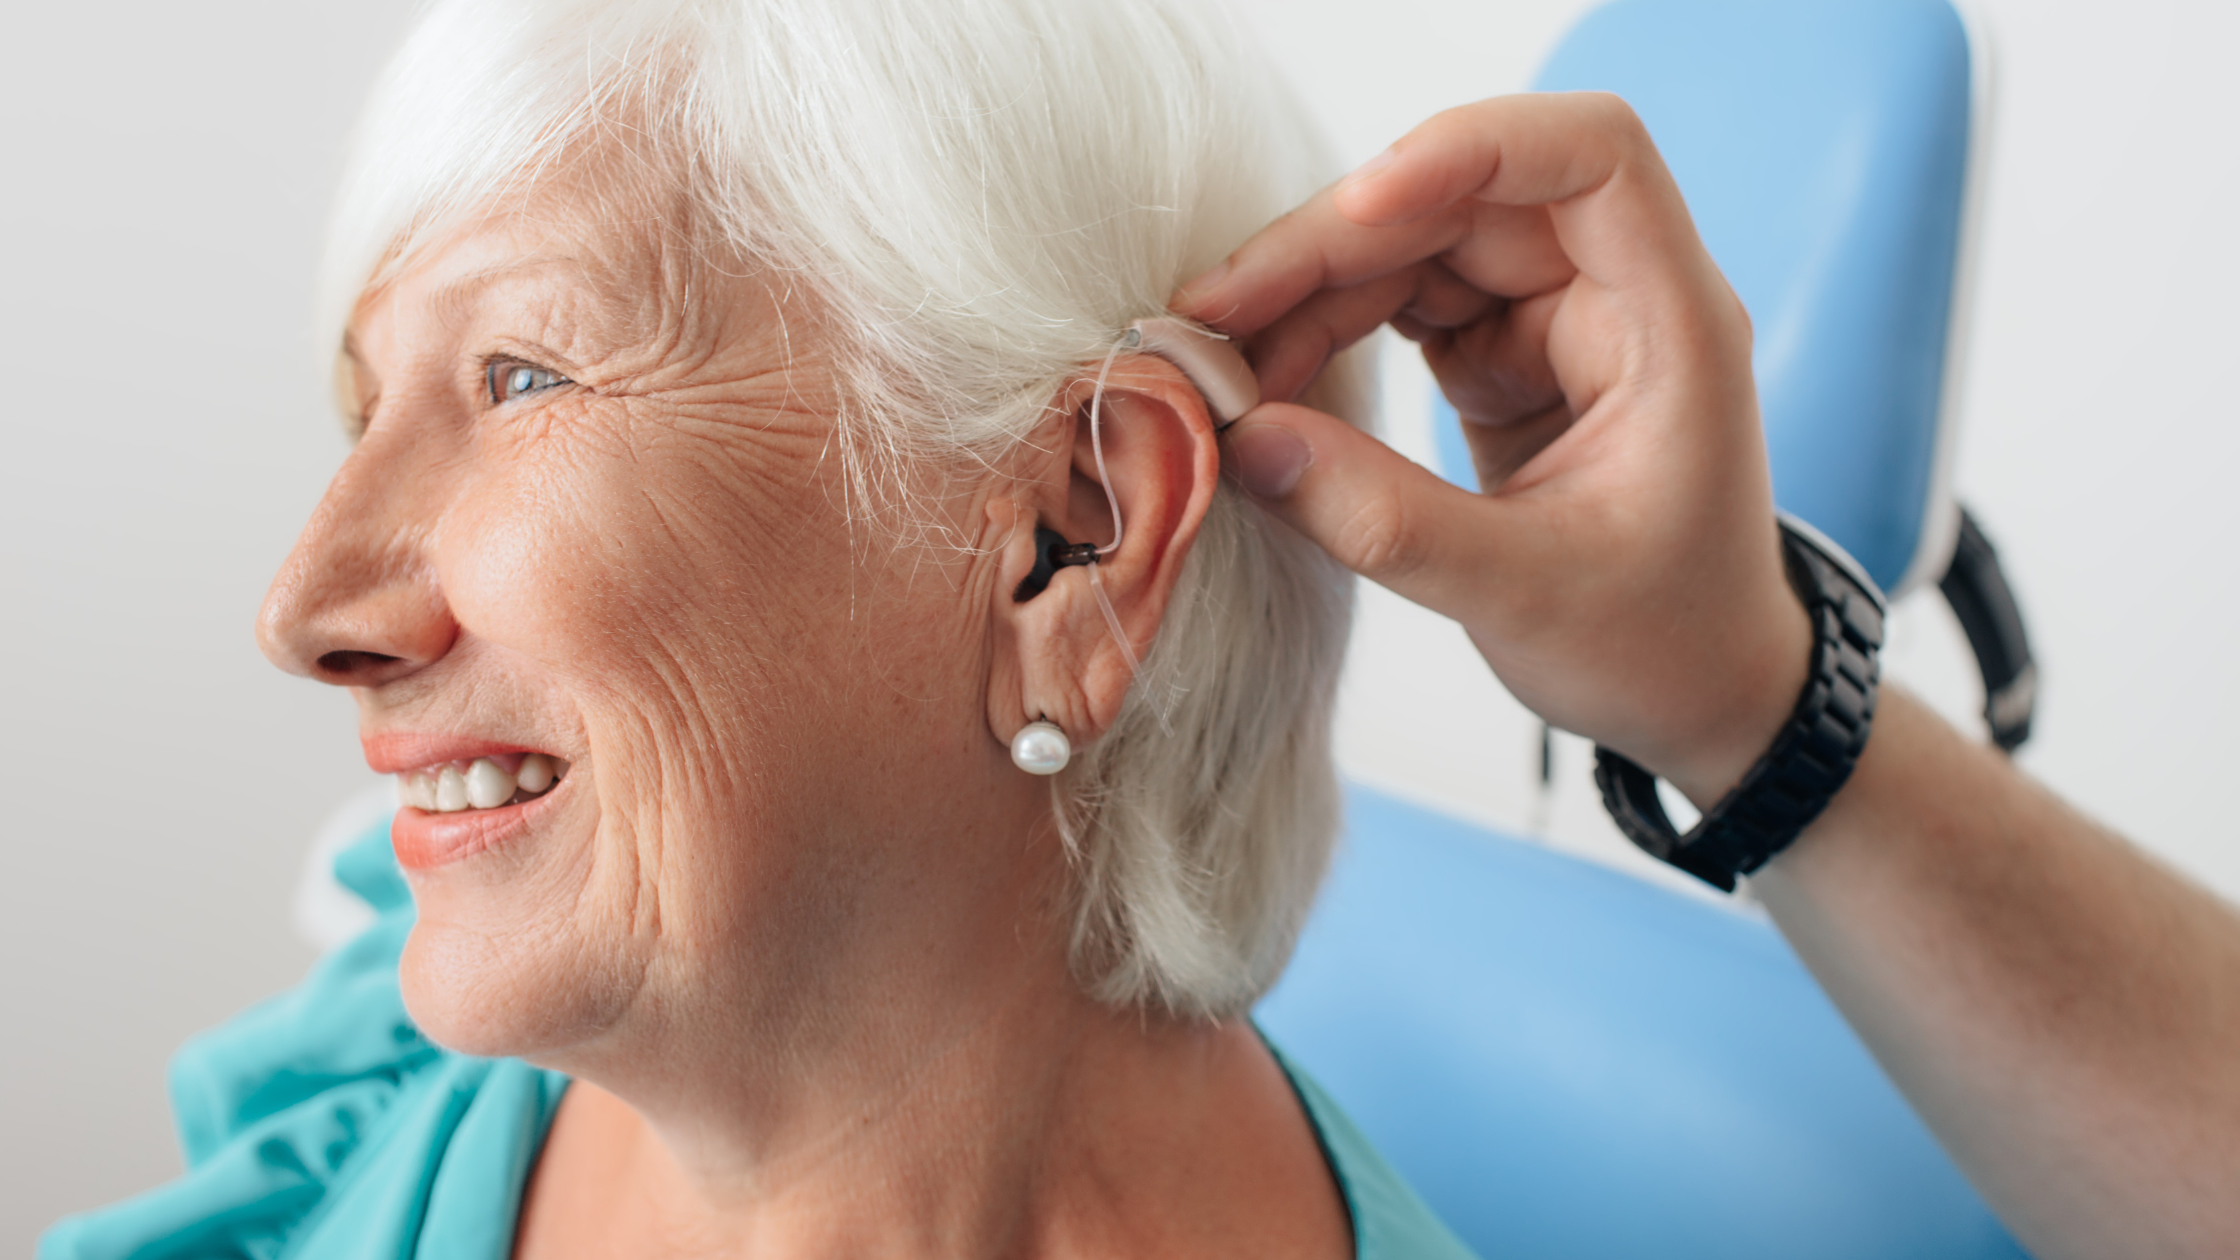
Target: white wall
(162, 435)
(162, 438)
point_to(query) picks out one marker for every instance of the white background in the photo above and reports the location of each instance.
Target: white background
(163, 433)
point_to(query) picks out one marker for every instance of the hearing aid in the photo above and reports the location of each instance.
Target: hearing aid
(1051, 553)
(1212, 363)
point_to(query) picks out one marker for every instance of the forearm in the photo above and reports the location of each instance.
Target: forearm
(2064, 1011)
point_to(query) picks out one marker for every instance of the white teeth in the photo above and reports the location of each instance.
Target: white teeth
(488, 785)
(535, 774)
(480, 784)
(451, 791)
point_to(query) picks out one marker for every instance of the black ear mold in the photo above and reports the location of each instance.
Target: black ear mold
(1051, 553)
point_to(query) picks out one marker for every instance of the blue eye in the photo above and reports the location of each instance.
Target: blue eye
(508, 381)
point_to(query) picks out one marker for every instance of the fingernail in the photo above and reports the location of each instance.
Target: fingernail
(1270, 459)
(1205, 283)
(1368, 168)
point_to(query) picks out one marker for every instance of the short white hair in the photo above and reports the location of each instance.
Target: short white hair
(980, 194)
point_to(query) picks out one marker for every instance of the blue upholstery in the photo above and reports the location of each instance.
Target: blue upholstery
(1567, 1061)
(1823, 147)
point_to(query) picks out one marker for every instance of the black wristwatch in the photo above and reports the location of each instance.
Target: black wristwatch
(1810, 758)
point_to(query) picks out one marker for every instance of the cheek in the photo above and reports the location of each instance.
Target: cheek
(768, 697)
(696, 604)
(647, 574)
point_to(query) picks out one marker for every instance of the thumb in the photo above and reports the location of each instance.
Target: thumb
(1379, 513)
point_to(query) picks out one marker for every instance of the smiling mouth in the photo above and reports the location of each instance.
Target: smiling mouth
(494, 782)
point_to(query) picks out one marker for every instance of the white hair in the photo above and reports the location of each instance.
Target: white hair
(979, 194)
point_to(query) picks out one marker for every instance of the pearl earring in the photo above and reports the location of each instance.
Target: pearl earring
(1041, 748)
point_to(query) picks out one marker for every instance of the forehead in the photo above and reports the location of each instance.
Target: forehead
(546, 253)
(607, 214)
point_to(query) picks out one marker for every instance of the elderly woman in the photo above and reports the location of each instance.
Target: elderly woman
(717, 372)
(863, 757)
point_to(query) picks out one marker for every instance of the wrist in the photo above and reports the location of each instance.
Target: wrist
(1863, 807)
(1741, 719)
(1807, 760)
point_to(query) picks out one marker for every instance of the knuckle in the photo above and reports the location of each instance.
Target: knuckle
(1461, 120)
(1382, 541)
(1614, 112)
(1614, 117)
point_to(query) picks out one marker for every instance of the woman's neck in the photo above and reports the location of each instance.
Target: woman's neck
(1050, 1127)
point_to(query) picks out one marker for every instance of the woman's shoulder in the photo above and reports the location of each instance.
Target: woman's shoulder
(1390, 1220)
(321, 1121)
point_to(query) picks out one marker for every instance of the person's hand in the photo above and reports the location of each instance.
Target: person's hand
(2059, 1008)
(1622, 573)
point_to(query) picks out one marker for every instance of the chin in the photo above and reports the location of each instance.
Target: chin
(494, 990)
(510, 955)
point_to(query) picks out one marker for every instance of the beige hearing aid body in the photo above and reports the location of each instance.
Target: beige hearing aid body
(1211, 361)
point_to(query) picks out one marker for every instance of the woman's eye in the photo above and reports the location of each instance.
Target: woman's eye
(509, 381)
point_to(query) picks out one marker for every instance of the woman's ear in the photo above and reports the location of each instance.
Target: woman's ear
(1056, 655)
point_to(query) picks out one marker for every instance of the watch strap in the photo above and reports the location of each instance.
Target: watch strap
(1811, 757)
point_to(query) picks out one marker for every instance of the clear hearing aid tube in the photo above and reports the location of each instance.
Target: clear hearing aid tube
(1219, 371)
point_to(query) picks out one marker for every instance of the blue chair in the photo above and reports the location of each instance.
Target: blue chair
(1567, 1061)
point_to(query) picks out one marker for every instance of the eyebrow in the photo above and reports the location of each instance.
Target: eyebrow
(455, 299)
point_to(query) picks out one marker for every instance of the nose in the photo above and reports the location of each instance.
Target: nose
(357, 603)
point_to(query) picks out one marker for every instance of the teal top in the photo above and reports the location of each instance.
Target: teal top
(322, 1123)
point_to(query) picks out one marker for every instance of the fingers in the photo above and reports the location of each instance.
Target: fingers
(1309, 249)
(1513, 250)
(1496, 371)
(1490, 355)
(1288, 354)
(1612, 204)
(1527, 150)
(1381, 515)
(1513, 194)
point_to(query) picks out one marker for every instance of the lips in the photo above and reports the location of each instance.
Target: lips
(425, 841)
(461, 795)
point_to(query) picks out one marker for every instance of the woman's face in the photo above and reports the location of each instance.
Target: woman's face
(597, 515)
